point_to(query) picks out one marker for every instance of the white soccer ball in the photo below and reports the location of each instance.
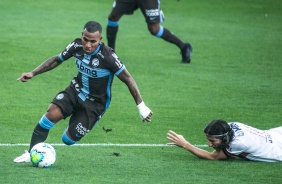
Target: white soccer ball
(42, 155)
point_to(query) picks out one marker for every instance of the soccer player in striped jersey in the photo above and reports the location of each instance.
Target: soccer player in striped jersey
(88, 96)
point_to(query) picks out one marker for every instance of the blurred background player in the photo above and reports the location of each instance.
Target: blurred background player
(234, 139)
(88, 96)
(153, 16)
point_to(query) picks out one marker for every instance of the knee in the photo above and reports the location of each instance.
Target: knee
(54, 113)
(114, 17)
(154, 29)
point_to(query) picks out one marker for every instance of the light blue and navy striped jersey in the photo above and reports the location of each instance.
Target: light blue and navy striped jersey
(95, 71)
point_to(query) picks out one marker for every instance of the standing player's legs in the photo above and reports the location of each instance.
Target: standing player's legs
(119, 9)
(153, 15)
(112, 29)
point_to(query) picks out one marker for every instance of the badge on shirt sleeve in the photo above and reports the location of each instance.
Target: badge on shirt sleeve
(117, 61)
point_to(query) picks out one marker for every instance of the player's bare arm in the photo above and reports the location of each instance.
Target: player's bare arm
(47, 65)
(180, 141)
(125, 77)
(144, 111)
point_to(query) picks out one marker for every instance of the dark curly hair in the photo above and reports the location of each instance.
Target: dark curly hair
(219, 129)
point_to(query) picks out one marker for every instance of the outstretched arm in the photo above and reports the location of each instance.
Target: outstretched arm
(47, 65)
(180, 141)
(144, 111)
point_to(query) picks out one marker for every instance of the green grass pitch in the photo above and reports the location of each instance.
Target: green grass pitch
(235, 74)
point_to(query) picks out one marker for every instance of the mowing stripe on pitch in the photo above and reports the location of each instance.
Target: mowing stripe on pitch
(103, 144)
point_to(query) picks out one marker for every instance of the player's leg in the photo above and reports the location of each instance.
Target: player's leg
(119, 9)
(78, 127)
(161, 32)
(61, 107)
(153, 15)
(81, 122)
(41, 130)
(112, 29)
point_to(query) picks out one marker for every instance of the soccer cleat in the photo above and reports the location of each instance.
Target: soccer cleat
(186, 53)
(23, 158)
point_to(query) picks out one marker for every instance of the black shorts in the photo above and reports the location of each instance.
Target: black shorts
(150, 9)
(83, 114)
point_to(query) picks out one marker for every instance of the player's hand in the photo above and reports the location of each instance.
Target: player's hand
(148, 118)
(145, 112)
(26, 76)
(176, 139)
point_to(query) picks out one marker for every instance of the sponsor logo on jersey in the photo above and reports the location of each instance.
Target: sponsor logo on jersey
(269, 138)
(84, 69)
(69, 46)
(117, 61)
(60, 96)
(77, 45)
(152, 13)
(100, 54)
(78, 135)
(72, 44)
(95, 62)
(76, 86)
(81, 129)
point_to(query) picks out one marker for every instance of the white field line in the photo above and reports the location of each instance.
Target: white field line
(102, 144)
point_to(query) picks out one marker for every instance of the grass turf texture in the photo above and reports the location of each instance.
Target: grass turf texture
(235, 75)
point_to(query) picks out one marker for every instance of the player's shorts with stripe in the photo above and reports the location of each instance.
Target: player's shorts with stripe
(149, 8)
(83, 114)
